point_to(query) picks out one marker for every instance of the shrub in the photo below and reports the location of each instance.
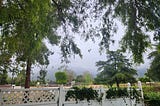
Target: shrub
(81, 94)
(116, 93)
(152, 99)
(122, 92)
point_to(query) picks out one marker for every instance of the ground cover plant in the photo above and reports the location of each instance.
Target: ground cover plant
(152, 94)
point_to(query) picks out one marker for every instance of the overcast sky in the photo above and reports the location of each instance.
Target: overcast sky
(91, 55)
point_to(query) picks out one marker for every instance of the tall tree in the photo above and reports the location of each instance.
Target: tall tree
(117, 68)
(24, 25)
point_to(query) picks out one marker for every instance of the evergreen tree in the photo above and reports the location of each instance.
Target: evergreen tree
(116, 69)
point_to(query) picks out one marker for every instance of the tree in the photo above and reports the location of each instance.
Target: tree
(88, 78)
(139, 17)
(116, 69)
(144, 79)
(79, 79)
(25, 24)
(102, 79)
(85, 78)
(42, 76)
(154, 70)
(70, 75)
(23, 31)
(61, 77)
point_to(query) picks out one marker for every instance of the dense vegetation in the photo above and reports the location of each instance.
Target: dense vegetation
(152, 94)
(25, 25)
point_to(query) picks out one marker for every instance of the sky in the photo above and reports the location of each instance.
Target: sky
(91, 55)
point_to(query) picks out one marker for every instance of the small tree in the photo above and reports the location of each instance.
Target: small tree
(88, 78)
(42, 76)
(71, 75)
(61, 77)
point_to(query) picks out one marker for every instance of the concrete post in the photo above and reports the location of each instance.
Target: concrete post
(128, 86)
(61, 96)
(102, 91)
(140, 88)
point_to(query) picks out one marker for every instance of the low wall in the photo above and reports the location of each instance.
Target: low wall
(55, 97)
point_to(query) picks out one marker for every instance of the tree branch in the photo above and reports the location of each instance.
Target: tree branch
(60, 13)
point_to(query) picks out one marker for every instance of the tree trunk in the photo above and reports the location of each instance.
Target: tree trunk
(28, 74)
(117, 83)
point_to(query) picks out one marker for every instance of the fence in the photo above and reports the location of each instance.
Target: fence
(56, 97)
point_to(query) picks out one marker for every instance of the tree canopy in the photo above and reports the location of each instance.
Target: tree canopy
(116, 69)
(139, 17)
(25, 24)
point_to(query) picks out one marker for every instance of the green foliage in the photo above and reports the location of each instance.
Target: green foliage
(138, 17)
(122, 92)
(116, 93)
(152, 98)
(151, 88)
(151, 95)
(61, 77)
(41, 77)
(154, 70)
(33, 83)
(81, 94)
(100, 80)
(70, 75)
(24, 26)
(3, 77)
(20, 79)
(144, 79)
(88, 79)
(79, 79)
(116, 69)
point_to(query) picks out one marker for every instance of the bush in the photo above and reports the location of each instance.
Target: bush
(81, 94)
(152, 99)
(116, 93)
(122, 92)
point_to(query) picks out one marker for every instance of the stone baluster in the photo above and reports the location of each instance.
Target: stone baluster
(140, 88)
